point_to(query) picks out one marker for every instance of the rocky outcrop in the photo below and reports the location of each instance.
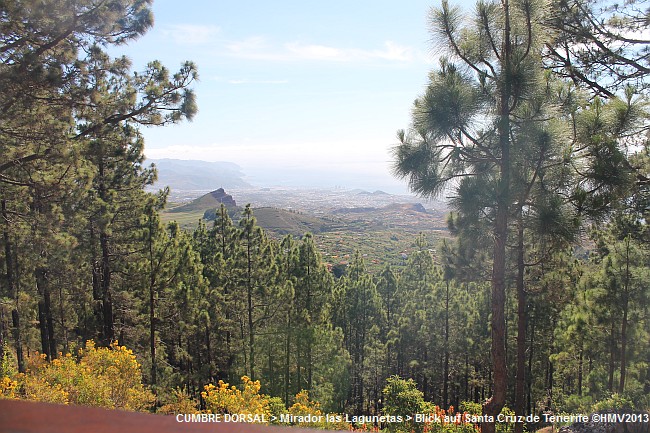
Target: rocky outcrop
(210, 201)
(221, 197)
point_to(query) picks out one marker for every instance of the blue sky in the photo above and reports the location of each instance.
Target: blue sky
(293, 88)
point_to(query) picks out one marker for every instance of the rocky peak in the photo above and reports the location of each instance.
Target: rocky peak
(221, 197)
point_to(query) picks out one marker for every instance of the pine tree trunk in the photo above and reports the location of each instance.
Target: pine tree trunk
(477, 388)
(520, 384)
(208, 347)
(272, 386)
(445, 390)
(152, 330)
(108, 330)
(425, 378)
(310, 328)
(612, 357)
(621, 385)
(15, 318)
(466, 395)
(152, 302)
(529, 375)
(97, 283)
(45, 344)
(12, 286)
(230, 357)
(251, 333)
(626, 291)
(495, 403)
(62, 320)
(580, 368)
(549, 378)
(251, 337)
(46, 319)
(287, 360)
(2, 335)
(498, 348)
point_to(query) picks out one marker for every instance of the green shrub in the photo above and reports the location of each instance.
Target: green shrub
(615, 402)
(402, 398)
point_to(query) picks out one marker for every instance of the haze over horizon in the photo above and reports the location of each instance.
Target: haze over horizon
(260, 177)
(293, 91)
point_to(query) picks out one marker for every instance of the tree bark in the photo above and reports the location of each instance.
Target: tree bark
(15, 317)
(250, 307)
(612, 357)
(520, 383)
(12, 286)
(580, 368)
(626, 291)
(152, 300)
(208, 347)
(46, 320)
(108, 330)
(287, 360)
(529, 375)
(97, 283)
(152, 328)
(2, 335)
(549, 375)
(445, 389)
(495, 403)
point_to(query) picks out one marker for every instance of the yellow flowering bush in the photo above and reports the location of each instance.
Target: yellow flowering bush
(178, 402)
(303, 406)
(230, 399)
(38, 388)
(104, 377)
(7, 387)
(7, 373)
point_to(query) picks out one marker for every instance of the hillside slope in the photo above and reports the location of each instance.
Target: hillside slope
(211, 200)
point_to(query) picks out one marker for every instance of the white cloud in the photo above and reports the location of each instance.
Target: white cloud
(317, 52)
(260, 49)
(245, 81)
(252, 46)
(191, 34)
(319, 153)
(393, 51)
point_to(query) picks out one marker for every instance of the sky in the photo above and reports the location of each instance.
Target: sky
(293, 91)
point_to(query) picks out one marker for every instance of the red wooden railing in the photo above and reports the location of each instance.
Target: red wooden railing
(28, 417)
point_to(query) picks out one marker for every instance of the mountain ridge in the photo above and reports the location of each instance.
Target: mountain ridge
(184, 175)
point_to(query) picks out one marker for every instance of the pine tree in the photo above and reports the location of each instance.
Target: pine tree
(63, 96)
(173, 280)
(257, 282)
(312, 296)
(391, 296)
(497, 138)
(600, 44)
(357, 309)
